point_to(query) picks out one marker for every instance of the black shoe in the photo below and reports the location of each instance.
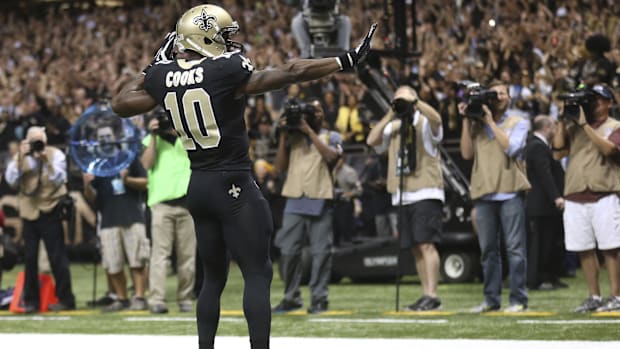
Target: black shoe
(61, 307)
(545, 286)
(318, 307)
(430, 304)
(30, 309)
(106, 300)
(414, 306)
(159, 309)
(285, 306)
(117, 305)
(559, 284)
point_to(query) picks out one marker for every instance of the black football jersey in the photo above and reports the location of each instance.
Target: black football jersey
(199, 97)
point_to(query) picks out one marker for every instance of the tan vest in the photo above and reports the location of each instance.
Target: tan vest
(587, 167)
(428, 169)
(308, 174)
(43, 199)
(494, 171)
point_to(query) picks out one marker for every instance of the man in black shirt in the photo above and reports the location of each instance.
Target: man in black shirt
(119, 200)
(203, 91)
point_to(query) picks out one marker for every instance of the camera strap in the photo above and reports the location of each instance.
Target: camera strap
(408, 133)
(407, 151)
(411, 146)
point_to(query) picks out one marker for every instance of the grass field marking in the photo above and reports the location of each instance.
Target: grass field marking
(78, 312)
(35, 318)
(568, 322)
(231, 312)
(176, 319)
(520, 314)
(419, 313)
(607, 314)
(382, 321)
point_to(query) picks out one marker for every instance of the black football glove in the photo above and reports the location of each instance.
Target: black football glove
(353, 57)
(165, 52)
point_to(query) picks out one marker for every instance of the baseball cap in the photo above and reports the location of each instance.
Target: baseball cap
(603, 91)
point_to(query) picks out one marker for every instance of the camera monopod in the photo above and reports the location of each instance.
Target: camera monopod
(405, 117)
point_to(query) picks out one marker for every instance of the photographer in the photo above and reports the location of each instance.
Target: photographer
(308, 152)
(592, 184)
(172, 226)
(495, 141)
(423, 193)
(316, 23)
(39, 173)
(119, 202)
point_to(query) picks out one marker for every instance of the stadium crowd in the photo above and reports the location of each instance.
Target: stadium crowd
(56, 64)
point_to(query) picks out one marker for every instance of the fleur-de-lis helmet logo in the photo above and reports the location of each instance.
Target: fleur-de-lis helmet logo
(205, 21)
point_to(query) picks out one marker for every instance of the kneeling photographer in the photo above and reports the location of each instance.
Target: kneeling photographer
(495, 140)
(414, 166)
(591, 139)
(308, 152)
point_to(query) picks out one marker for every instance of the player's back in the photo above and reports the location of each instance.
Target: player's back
(199, 96)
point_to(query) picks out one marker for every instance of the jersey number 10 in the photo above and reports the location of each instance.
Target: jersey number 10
(205, 134)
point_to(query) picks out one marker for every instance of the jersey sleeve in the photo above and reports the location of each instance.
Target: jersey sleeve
(238, 69)
(152, 83)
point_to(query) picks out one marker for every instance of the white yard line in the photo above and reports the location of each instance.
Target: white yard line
(35, 318)
(75, 341)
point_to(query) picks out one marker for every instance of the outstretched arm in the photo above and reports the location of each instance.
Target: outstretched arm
(306, 69)
(292, 72)
(133, 99)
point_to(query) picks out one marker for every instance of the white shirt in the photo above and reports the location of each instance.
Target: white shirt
(58, 162)
(430, 142)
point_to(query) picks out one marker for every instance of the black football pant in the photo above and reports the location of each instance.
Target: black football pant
(232, 218)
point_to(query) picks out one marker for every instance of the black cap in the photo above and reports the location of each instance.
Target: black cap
(603, 91)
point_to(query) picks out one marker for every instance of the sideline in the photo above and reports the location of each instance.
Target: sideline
(79, 341)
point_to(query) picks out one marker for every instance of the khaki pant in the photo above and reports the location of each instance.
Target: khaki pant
(172, 227)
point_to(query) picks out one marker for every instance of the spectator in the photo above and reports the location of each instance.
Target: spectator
(308, 154)
(376, 202)
(257, 114)
(172, 226)
(592, 143)
(331, 110)
(544, 205)
(263, 140)
(347, 207)
(119, 202)
(39, 173)
(348, 122)
(497, 185)
(421, 196)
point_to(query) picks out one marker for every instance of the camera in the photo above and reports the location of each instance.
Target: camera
(295, 110)
(476, 96)
(572, 102)
(164, 121)
(36, 146)
(402, 107)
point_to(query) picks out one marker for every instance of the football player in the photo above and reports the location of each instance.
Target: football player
(203, 89)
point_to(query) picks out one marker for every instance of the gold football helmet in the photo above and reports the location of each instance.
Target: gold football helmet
(206, 29)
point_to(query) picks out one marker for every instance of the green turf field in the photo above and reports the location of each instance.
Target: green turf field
(356, 310)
